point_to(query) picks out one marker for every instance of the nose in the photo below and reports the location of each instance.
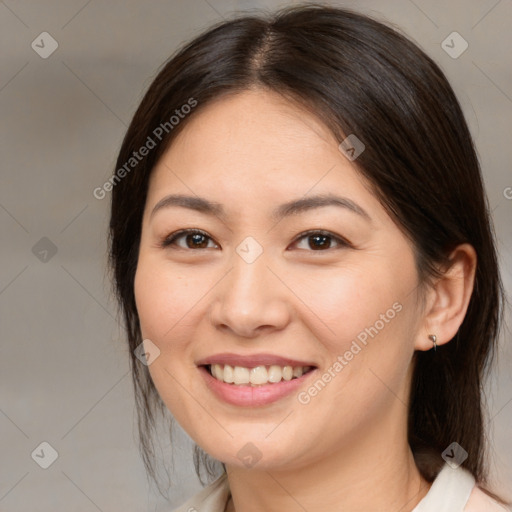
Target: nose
(250, 300)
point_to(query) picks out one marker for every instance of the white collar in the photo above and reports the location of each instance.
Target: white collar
(449, 492)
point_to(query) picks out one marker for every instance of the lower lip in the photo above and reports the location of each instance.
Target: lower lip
(253, 396)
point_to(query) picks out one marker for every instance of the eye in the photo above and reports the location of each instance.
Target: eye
(316, 240)
(194, 239)
(319, 240)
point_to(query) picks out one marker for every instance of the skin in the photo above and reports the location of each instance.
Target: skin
(347, 448)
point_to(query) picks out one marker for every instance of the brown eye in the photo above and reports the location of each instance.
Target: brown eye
(193, 238)
(320, 241)
(314, 240)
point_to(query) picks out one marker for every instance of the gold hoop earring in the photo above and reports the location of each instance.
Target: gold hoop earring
(433, 338)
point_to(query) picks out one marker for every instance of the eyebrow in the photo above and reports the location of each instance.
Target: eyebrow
(294, 207)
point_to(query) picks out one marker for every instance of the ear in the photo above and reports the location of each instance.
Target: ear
(448, 298)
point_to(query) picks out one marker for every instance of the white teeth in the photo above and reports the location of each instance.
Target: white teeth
(275, 373)
(229, 374)
(297, 372)
(259, 375)
(256, 376)
(287, 373)
(241, 375)
(217, 371)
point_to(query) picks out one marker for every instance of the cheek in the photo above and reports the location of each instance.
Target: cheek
(344, 303)
(166, 303)
(165, 299)
(364, 318)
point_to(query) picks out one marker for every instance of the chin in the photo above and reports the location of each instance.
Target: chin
(254, 455)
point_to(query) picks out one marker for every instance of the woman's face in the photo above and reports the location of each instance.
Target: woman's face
(252, 290)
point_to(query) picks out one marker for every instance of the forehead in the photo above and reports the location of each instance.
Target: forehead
(245, 123)
(253, 148)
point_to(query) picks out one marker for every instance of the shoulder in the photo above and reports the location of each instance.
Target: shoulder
(479, 501)
(212, 498)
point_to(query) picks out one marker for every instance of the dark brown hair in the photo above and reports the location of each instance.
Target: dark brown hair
(358, 76)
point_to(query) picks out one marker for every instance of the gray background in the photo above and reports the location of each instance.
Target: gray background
(63, 365)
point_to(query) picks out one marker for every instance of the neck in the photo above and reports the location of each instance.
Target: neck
(376, 471)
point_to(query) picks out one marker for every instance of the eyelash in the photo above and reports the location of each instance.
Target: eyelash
(171, 239)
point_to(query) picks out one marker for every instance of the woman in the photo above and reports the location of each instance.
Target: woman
(302, 250)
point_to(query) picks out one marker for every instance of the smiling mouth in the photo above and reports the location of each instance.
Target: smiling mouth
(256, 376)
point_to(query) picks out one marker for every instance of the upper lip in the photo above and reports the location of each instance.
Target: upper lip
(250, 361)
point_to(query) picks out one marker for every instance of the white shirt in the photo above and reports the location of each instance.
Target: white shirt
(453, 490)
